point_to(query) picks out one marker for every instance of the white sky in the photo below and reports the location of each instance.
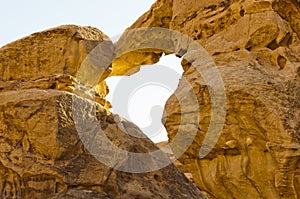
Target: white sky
(20, 18)
(144, 95)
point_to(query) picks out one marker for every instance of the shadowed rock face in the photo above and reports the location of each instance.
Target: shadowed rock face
(41, 152)
(256, 47)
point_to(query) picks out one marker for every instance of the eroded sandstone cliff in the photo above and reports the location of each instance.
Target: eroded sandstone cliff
(255, 46)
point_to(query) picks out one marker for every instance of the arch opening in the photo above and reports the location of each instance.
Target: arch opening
(141, 97)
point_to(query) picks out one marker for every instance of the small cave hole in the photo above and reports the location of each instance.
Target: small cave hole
(242, 12)
(53, 86)
(281, 61)
(156, 177)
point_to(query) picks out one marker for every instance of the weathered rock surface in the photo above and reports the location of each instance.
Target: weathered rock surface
(256, 47)
(42, 154)
(178, 164)
(51, 60)
(129, 62)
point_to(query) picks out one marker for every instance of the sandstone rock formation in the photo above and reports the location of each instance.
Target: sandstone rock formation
(51, 59)
(256, 47)
(42, 154)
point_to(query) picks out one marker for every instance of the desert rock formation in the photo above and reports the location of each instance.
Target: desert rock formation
(42, 155)
(256, 47)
